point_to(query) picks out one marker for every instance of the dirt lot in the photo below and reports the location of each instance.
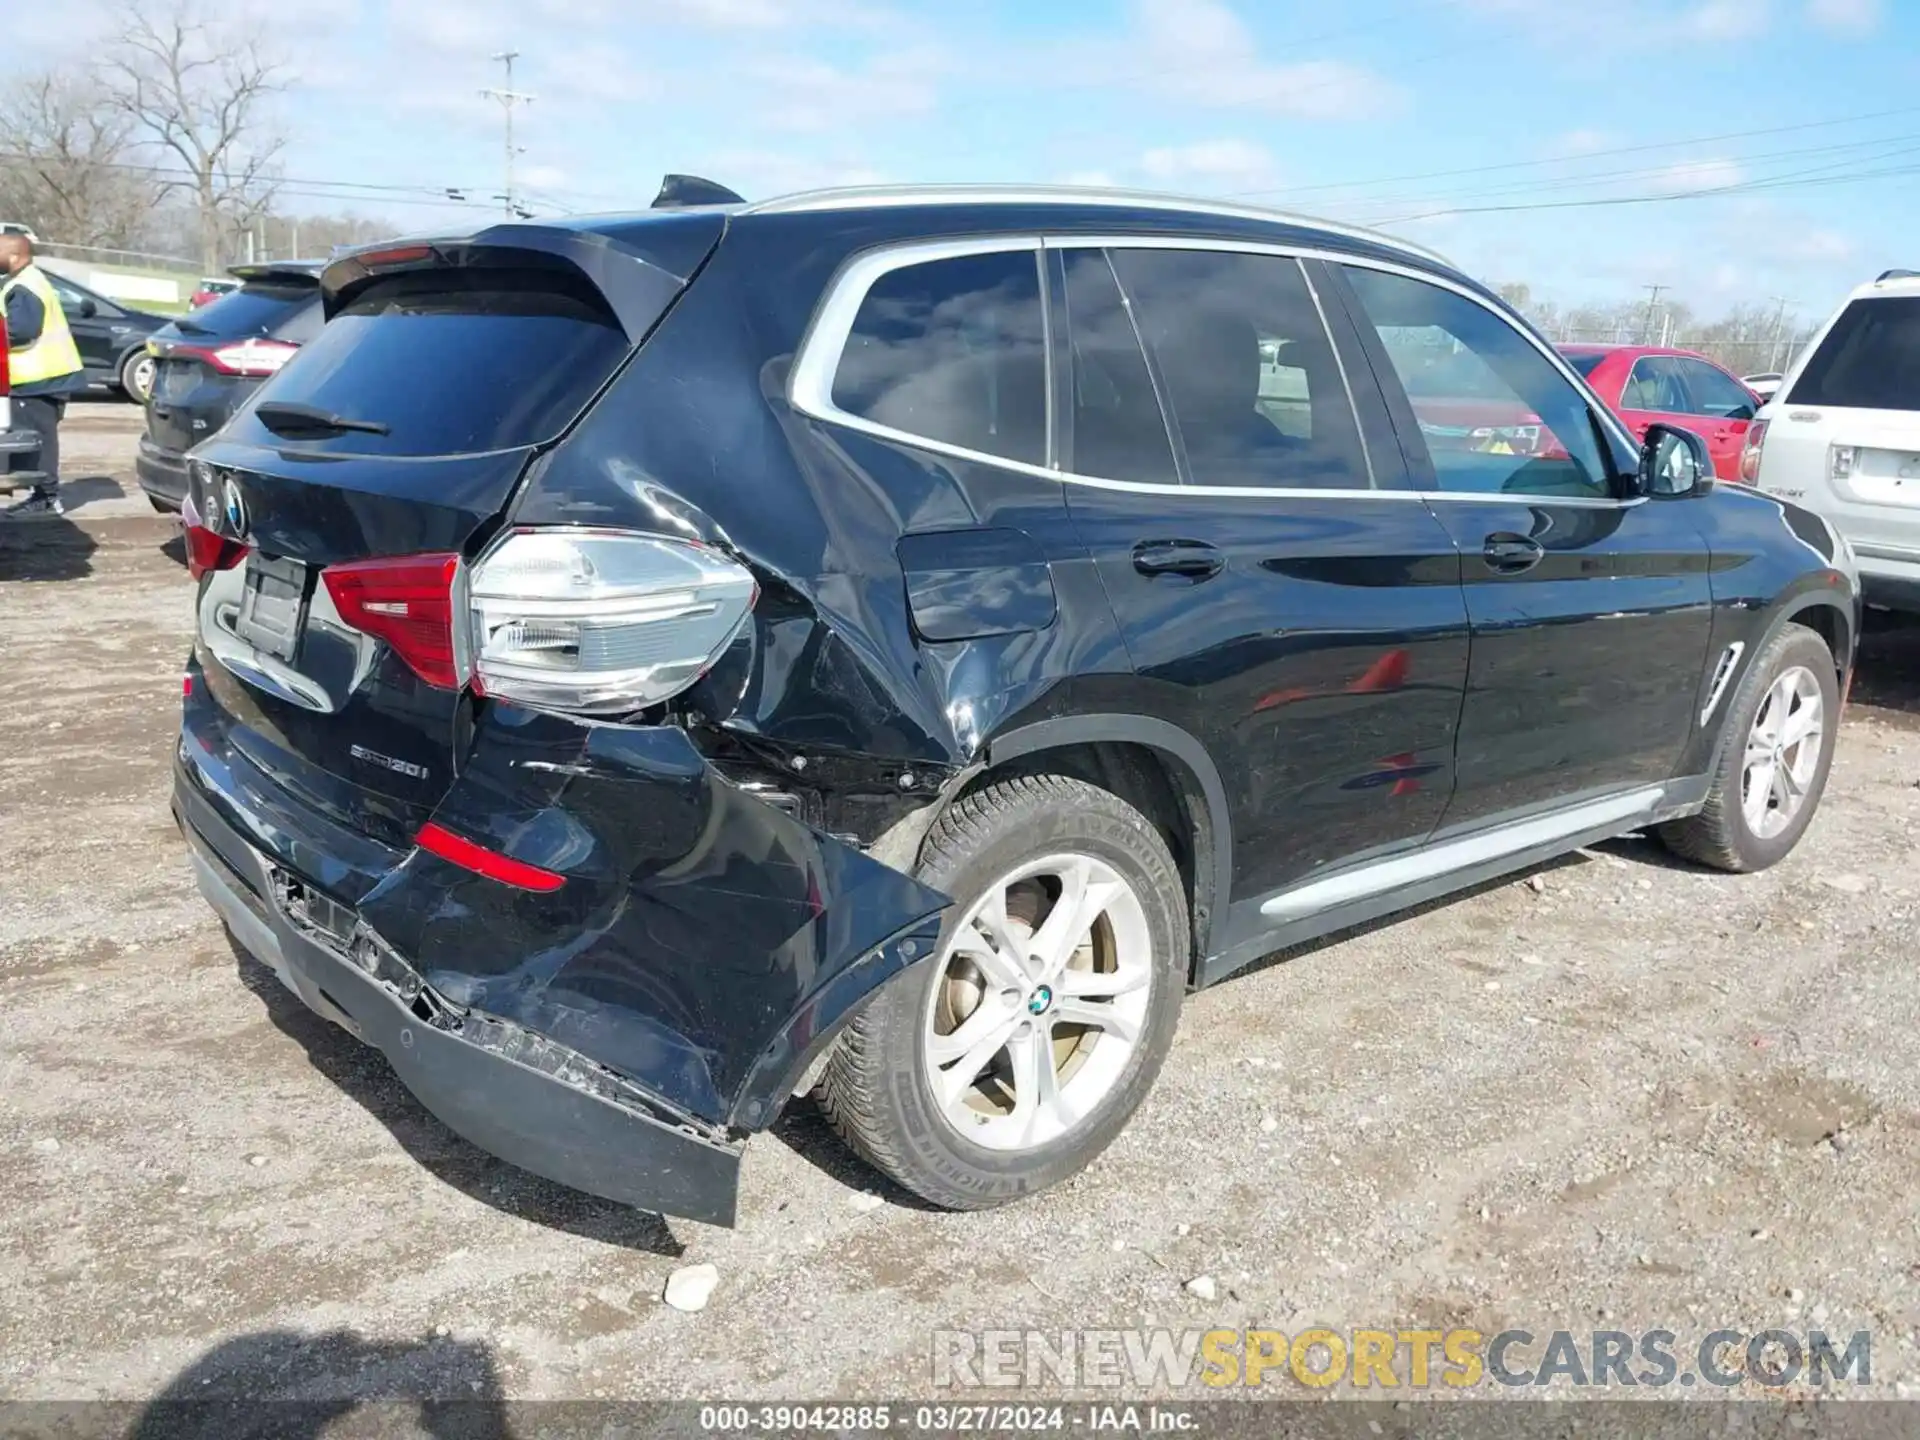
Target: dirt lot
(1611, 1100)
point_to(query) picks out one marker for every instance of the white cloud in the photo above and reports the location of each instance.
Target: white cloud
(1581, 142)
(1226, 164)
(1819, 246)
(1847, 17)
(1690, 175)
(798, 92)
(1203, 54)
(1726, 19)
(758, 174)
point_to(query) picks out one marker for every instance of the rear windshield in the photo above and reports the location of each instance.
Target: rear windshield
(1584, 363)
(1870, 359)
(259, 307)
(453, 362)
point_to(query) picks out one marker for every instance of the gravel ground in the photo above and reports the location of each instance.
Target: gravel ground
(1618, 1093)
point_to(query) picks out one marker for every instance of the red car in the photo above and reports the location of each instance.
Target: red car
(1645, 383)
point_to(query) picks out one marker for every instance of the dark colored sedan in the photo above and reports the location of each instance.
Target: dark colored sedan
(207, 362)
(112, 337)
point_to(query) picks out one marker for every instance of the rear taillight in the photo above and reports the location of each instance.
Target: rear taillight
(252, 358)
(1839, 462)
(601, 622)
(458, 850)
(207, 549)
(6, 366)
(1750, 452)
(410, 603)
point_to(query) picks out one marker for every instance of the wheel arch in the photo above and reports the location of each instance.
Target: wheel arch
(1152, 764)
(1815, 610)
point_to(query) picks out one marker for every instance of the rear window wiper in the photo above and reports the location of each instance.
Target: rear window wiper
(283, 417)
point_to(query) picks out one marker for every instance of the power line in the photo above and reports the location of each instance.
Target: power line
(1785, 182)
(1575, 159)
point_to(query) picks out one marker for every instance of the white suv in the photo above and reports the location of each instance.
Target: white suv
(1842, 435)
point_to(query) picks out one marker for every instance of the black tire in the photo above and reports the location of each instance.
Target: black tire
(874, 1089)
(126, 378)
(1719, 835)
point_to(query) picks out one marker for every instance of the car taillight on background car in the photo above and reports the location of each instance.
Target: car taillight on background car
(1750, 452)
(250, 358)
(601, 622)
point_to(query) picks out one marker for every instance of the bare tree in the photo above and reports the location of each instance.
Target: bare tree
(197, 89)
(65, 163)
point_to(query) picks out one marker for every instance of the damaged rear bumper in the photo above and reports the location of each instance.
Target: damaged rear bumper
(513, 1093)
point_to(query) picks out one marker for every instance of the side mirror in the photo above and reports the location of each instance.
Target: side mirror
(88, 309)
(1674, 463)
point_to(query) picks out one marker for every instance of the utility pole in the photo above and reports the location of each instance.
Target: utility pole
(508, 98)
(1773, 340)
(1653, 299)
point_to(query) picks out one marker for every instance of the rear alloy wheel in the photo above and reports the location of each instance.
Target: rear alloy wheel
(1774, 759)
(1010, 1058)
(136, 376)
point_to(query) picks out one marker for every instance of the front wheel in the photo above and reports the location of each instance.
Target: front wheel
(1006, 1061)
(1773, 765)
(136, 376)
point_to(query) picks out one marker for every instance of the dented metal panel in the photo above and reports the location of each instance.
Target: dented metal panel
(696, 923)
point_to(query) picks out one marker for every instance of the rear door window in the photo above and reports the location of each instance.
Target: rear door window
(1118, 431)
(953, 350)
(1247, 368)
(1869, 360)
(258, 307)
(1656, 385)
(453, 362)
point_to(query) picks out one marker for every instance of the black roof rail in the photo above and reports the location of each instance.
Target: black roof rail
(679, 191)
(1886, 275)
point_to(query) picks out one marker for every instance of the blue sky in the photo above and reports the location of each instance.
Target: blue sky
(1358, 110)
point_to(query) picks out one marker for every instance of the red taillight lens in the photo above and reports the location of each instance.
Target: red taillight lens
(251, 358)
(6, 366)
(458, 850)
(1750, 452)
(407, 602)
(207, 550)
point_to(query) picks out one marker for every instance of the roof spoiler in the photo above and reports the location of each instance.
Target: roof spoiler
(1886, 275)
(278, 270)
(679, 191)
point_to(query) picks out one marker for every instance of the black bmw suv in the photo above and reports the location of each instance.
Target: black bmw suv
(895, 643)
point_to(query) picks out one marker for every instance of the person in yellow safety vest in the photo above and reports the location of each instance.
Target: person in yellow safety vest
(45, 365)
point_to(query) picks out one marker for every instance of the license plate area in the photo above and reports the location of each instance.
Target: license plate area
(173, 379)
(273, 606)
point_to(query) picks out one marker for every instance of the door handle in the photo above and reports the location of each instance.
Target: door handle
(1509, 554)
(1194, 559)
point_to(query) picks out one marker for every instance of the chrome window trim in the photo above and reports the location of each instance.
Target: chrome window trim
(810, 383)
(880, 197)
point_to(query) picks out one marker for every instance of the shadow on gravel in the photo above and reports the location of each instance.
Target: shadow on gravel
(53, 548)
(1887, 673)
(76, 494)
(803, 1128)
(362, 1073)
(284, 1384)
